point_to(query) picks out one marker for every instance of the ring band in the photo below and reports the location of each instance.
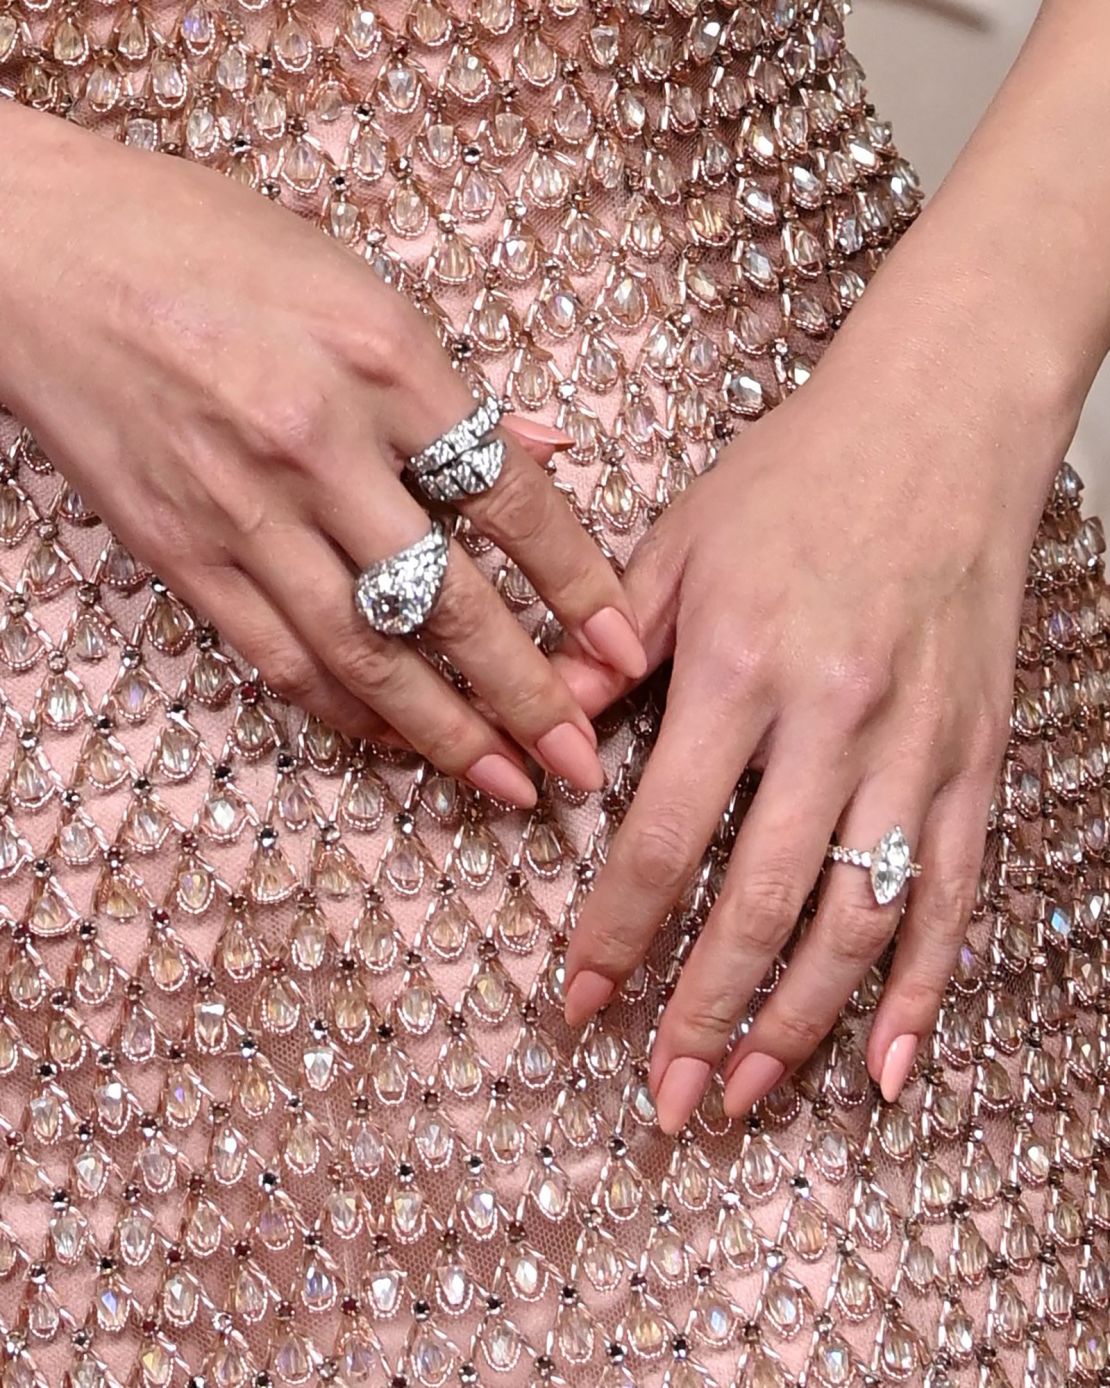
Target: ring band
(889, 863)
(396, 594)
(474, 471)
(463, 461)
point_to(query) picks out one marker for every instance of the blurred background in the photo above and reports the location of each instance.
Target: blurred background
(932, 67)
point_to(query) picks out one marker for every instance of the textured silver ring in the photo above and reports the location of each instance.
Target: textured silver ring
(890, 863)
(464, 461)
(482, 420)
(474, 471)
(397, 593)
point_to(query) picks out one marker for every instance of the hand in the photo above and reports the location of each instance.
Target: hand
(235, 394)
(841, 596)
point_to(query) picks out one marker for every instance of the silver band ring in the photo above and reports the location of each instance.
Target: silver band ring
(474, 471)
(889, 863)
(464, 461)
(397, 593)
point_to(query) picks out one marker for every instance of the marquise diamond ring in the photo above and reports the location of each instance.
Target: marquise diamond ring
(890, 863)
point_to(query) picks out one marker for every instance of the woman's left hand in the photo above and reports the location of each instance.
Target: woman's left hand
(841, 596)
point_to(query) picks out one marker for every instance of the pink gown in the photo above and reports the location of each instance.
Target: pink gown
(286, 1096)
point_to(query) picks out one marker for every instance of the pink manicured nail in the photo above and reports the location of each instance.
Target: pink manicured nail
(586, 992)
(567, 751)
(536, 432)
(680, 1092)
(756, 1075)
(588, 732)
(609, 633)
(897, 1065)
(497, 776)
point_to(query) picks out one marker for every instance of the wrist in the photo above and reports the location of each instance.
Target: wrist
(38, 230)
(984, 395)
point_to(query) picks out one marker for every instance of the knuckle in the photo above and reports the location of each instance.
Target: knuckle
(854, 686)
(711, 1015)
(918, 999)
(293, 677)
(450, 743)
(393, 344)
(859, 935)
(739, 661)
(768, 905)
(515, 508)
(608, 947)
(986, 742)
(535, 704)
(659, 856)
(460, 610)
(801, 1032)
(366, 666)
(284, 421)
(953, 900)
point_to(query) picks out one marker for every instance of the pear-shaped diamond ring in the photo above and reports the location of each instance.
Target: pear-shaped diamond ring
(889, 863)
(396, 594)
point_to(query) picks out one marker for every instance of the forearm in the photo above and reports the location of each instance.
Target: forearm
(1002, 287)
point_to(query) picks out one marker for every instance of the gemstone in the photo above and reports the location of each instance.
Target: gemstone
(396, 594)
(890, 865)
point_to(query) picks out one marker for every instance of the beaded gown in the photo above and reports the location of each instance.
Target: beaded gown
(285, 1092)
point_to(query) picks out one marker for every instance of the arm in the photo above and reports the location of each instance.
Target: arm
(842, 598)
(246, 443)
(1005, 277)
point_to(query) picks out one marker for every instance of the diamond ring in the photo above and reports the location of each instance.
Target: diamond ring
(889, 863)
(463, 461)
(396, 594)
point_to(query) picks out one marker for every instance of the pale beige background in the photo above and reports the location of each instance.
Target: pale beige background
(932, 66)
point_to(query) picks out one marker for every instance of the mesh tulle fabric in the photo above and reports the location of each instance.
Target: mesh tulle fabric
(286, 1096)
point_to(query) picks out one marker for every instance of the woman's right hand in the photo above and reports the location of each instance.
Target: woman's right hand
(235, 393)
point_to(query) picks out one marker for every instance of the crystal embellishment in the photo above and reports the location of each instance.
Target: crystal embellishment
(396, 594)
(889, 863)
(285, 1092)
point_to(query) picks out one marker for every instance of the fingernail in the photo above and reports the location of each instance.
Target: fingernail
(609, 633)
(532, 429)
(497, 776)
(680, 1092)
(897, 1065)
(756, 1075)
(588, 731)
(566, 751)
(586, 992)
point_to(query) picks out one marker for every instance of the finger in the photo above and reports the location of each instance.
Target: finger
(470, 625)
(933, 929)
(531, 520)
(849, 932)
(651, 581)
(314, 586)
(246, 617)
(775, 861)
(483, 640)
(672, 818)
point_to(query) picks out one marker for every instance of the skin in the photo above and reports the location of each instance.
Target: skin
(841, 599)
(248, 444)
(834, 619)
